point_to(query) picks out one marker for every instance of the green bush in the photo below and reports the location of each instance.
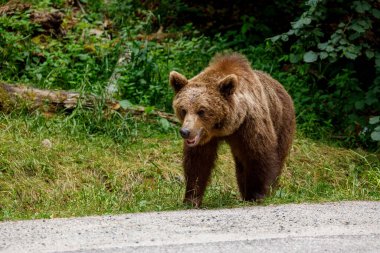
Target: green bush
(334, 42)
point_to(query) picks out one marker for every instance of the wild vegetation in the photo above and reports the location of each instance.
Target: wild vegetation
(83, 165)
(93, 161)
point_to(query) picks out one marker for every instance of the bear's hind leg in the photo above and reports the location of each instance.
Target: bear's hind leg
(256, 176)
(198, 163)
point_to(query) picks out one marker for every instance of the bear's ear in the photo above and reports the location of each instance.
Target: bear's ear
(177, 81)
(227, 85)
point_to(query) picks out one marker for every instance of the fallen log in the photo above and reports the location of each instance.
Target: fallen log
(58, 100)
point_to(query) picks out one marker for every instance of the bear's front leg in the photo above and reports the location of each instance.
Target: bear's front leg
(198, 163)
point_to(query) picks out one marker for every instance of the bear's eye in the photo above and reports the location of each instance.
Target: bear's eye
(201, 113)
(183, 112)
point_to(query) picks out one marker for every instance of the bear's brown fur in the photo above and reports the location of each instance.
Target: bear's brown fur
(252, 112)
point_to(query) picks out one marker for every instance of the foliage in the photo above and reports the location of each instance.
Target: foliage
(145, 80)
(336, 40)
(328, 60)
(264, 18)
(375, 134)
(77, 58)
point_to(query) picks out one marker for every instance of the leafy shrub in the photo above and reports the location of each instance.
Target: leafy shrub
(336, 39)
(15, 36)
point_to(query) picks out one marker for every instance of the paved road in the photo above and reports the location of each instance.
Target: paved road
(332, 227)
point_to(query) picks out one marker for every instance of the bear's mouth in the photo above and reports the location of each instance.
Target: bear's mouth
(194, 141)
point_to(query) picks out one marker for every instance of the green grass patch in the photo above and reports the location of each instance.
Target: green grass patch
(121, 164)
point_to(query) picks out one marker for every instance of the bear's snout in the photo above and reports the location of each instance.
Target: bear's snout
(185, 133)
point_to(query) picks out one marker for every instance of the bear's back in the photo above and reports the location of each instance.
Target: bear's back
(222, 65)
(230, 64)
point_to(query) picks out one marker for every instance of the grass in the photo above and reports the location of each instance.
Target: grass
(91, 162)
(136, 166)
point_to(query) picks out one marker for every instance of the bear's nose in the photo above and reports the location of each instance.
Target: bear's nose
(185, 133)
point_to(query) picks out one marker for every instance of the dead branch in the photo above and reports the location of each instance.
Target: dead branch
(58, 100)
(80, 7)
(124, 59)
(13, 6)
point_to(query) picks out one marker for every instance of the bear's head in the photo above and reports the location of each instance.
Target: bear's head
(203, 106)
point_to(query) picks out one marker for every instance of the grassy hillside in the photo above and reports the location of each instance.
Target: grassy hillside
(55, 167)
(94, 162)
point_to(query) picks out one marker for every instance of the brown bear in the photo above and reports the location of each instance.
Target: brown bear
(252, 112)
